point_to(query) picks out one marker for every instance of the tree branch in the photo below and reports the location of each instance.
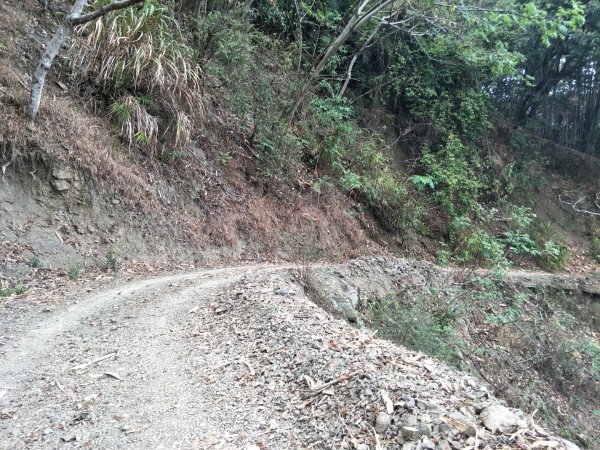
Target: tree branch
(578, 209)
(113, 6)
(63, 31)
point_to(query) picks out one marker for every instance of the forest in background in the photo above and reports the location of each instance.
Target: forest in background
(396, 103)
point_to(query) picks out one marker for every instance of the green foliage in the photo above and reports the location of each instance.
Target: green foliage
(456, 171)
(19, 289)
(518, 239)
(595, 241)
(112, 262)
(74, 272)
(473, 244)
(553, 256)
(224, 158)
(333, 134)
(35, 262)
(421, 182)
(416, 326)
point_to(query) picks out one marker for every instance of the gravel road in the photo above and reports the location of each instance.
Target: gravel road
(145, 395)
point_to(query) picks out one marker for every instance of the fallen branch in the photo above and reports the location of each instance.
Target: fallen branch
(95, 361)
(346, 376)
(580, 210)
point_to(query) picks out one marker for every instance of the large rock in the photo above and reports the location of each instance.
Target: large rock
(60, 173)
(498, 417)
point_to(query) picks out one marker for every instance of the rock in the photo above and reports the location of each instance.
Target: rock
(409, 420)
(498, 417)
(426, 444)
(455, 445)
(282, 291)
(61, 185)
(461, 423)
(443, 445)
(63, 174)
(410, 433)
(427, 405)
(424, 429)
(409, 402)
(382, 422)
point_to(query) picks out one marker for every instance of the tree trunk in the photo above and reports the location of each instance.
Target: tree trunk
(357, 20)
(39, 77)
(60, 36)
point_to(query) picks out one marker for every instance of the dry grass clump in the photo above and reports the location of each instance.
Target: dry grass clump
(142, 50)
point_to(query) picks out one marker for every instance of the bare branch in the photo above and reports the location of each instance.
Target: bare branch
(62, 33)
(578, 209)
(113, 6)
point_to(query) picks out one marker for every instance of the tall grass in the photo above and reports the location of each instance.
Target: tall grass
(141, 50)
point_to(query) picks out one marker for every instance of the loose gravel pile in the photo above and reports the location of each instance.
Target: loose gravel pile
(328, 385)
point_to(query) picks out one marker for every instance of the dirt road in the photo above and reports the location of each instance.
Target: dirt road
(48, 396)
(233, 358)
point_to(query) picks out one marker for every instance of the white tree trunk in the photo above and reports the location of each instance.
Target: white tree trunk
(39, 77)
(60, 36)
(357, 20)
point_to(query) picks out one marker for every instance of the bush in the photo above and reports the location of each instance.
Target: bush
(473, 244)
(142, 51)
(417, 327)
(19, 289)
(553, 256)
(455, 170)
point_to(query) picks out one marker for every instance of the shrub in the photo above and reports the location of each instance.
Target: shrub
(416, 326)
(553, 256)
(73, 272)
(19, 289)
(473, 244)
(111, 261)
(455, 170)
(142, 50)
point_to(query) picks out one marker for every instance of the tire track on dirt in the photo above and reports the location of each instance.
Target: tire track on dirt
(151, 383)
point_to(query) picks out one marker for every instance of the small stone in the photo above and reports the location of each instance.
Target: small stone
(409, 420)
(382, 422)
(455, 445)
(443, 445)
(61, 185)
(116, 201)
(409, 402)
(498, 417)
(282, 291)
(444, 428)
(426, 444)
(424, 429)
(62, 174)
(366, 393)
(410, 433)
(427, 405)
